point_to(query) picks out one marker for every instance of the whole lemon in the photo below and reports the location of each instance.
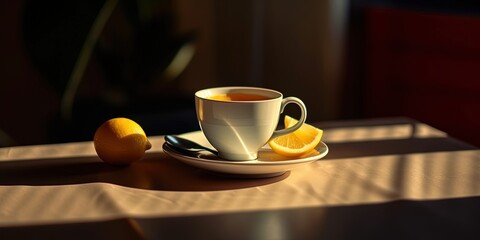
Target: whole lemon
(120, 141)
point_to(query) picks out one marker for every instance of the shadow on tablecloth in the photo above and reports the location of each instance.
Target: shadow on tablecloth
(156, 171)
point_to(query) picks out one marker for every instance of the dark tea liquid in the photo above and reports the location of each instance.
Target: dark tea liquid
(238, 97)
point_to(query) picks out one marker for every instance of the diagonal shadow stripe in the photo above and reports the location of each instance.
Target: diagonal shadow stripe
(340, 150)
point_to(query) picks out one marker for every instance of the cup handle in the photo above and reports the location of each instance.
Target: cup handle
(302, 119)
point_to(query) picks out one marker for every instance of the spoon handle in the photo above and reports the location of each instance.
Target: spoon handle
(181, 150)
(186, 145)
(211, 150)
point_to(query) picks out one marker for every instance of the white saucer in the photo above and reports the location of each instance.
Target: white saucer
(268, 163)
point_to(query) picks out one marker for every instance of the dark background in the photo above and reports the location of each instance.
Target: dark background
(345, 59)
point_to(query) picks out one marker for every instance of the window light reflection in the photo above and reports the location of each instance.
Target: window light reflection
(419, 176)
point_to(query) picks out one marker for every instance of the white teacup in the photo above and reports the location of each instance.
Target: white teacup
(238, 121)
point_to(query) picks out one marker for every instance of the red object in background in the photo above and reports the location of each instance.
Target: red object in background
(425, 66)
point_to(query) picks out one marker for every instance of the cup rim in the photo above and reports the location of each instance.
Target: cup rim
(274, 94)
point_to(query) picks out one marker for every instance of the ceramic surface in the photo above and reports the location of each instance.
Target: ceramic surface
(267, 164)
(238, 129)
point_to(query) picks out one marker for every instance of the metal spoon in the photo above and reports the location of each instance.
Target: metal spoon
(186, 145)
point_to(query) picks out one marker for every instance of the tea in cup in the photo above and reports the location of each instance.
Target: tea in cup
(238, 121)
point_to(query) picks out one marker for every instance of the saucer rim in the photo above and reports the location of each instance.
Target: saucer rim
(247, 167)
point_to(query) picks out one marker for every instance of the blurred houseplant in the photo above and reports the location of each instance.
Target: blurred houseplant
(135, 56)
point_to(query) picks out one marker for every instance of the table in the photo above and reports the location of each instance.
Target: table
(382, 179)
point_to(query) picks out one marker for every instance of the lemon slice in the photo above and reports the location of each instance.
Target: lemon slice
(297, 143)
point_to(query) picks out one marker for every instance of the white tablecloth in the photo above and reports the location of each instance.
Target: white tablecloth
(59, 183)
